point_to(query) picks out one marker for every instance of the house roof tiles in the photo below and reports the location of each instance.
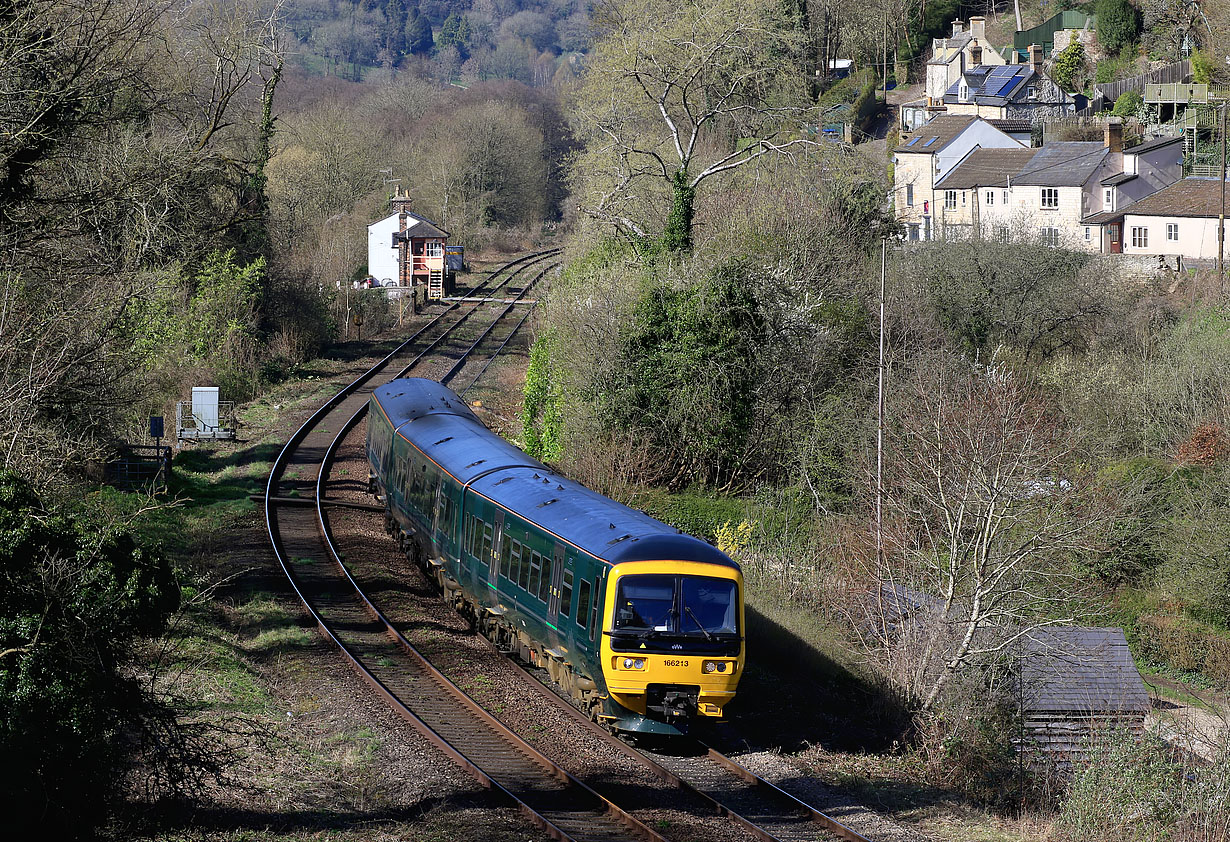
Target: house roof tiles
(987, 168)
(1190, 197)
(1063, 164)
(936, 134)
(1150, 145)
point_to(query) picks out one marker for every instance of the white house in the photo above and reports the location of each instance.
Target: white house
(1177, 220)
(927, 157)
(381, 251)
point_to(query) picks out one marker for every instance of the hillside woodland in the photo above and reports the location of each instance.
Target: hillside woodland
(184, 191)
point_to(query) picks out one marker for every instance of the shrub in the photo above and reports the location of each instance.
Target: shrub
(1128, 103)
(74, 597)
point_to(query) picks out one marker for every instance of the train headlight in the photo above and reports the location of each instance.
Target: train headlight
(714, 666)
(634, 663)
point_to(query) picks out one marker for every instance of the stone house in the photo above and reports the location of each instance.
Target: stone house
(1008, 92)
(927, 157)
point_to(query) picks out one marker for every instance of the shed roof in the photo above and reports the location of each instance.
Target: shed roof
(1190, 197)
(1102, 217)
(1063, 164)
(1118, 178)
(936, 134)
(1080, 670)
(987, 168)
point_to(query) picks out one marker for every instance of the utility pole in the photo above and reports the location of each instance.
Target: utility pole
(1221, 217)
(880, 419)
(885, 65)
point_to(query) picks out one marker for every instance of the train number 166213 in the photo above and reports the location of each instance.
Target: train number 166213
(675, 662)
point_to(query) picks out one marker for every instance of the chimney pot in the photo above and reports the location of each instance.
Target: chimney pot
(975, 54)
(956, 28)
(978, 26)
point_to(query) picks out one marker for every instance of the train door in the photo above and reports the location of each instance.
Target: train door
(557, 576)
(493, 562)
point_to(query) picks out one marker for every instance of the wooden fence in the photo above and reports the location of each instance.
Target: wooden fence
(1169, 75)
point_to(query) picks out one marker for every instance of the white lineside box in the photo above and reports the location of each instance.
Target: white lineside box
(205, 416)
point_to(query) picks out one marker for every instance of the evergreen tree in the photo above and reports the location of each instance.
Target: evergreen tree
(455, 32)
(419, 40)
(1118, 24)
(395, 17)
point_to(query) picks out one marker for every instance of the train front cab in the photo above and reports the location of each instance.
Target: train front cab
(672, 644)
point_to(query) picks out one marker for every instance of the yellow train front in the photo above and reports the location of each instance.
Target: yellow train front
(672, 647)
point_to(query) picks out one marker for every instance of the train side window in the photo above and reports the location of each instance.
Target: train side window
(523, 579)
(582, 602)
(548, 571)
(535, 571)
(488, 537)
(514, 565)
(565, 600)
(506, 556)
(471, 528)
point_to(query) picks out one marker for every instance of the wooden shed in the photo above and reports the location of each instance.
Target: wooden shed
(1074, 683)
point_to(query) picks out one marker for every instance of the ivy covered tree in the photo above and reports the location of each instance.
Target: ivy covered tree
(455, 32)
(677, 94)
(1070, 66)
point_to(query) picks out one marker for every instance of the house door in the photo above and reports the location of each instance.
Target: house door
(1113, 231)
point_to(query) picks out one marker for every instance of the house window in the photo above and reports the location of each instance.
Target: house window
(1050, 237)
(1005, 197)
(990, 197)
(964, 94)
(1088, 233)
(1108, 198)
(1140, 237)
(1003, 233)
(909, 195)
(913, 232)
(1172, 231)
(1032, 92)
(435, 249)
(1050, 197)
(950, 199)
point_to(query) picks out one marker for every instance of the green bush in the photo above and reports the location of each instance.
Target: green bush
(1070, 66)
(1128, 104)
(74, 597)
(1118, 24)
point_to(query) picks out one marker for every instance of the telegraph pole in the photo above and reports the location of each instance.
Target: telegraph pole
(880, 419)
(1221, 217)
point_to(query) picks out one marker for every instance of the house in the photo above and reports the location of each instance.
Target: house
(1179, 220)
(1069, 193)
(1075, 682)
(1013, 91)
(949, 59)
(927, 157)
(982, 180)
(1147, 168)
(407, 250)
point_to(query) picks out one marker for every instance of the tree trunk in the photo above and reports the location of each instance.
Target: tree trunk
(677, 235)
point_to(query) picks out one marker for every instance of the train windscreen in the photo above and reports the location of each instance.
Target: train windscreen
(682, 605)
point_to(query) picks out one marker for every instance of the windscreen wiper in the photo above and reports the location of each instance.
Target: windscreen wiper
(703, 630)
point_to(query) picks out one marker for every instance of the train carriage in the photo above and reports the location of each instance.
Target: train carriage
(641, 624)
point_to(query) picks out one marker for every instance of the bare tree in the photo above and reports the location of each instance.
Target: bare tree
(987, 513)
(676, 94)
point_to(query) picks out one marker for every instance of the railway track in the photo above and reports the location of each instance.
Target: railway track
(296, 508)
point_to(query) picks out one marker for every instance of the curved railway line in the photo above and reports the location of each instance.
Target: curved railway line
(297, 515)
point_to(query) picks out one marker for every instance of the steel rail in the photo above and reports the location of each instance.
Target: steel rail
(552, 768)
(461, 363)
(271, 501)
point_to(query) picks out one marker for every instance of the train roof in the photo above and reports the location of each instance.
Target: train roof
(440, 424)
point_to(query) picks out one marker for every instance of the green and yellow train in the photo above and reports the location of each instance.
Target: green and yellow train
(641, 624)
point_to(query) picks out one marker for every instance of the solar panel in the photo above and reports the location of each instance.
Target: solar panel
(1004, 70)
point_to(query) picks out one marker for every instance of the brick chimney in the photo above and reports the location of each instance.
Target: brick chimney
(1113, 136)
(978, 26)
(401, 204)
(956, 28)
(975, 53)
(1035, 57)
